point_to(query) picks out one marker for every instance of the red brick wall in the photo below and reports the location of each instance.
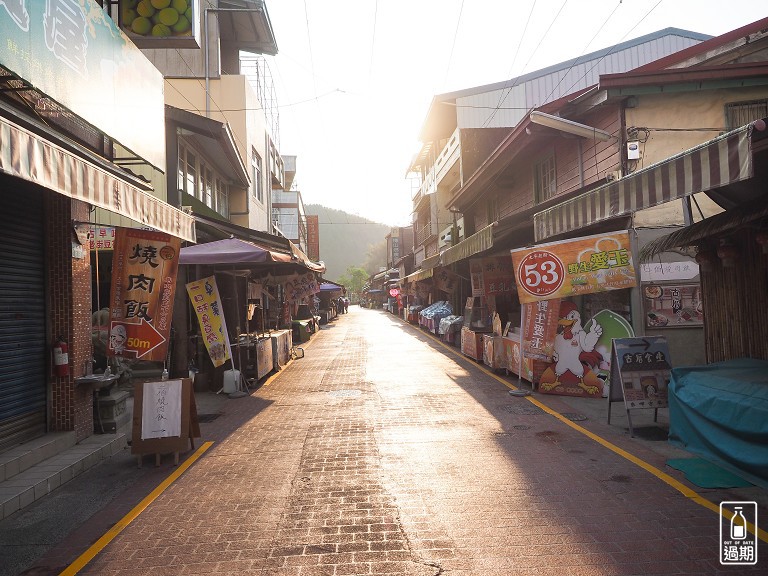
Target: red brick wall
(69, 307)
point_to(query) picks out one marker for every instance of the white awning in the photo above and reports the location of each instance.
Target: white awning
(26, 155)
(713, 164)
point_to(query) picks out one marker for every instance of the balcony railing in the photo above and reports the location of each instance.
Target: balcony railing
(424, 234)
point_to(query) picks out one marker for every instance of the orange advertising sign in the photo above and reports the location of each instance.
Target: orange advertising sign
(573, 267)
(144, 270)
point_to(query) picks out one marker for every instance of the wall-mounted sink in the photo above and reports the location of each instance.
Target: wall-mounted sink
(98, 381)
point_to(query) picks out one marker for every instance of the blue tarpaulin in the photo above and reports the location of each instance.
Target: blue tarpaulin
(720, 412)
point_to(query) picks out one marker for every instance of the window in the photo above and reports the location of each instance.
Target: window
(258, 191)
(545, 179)
(742, 113)
(203, 182)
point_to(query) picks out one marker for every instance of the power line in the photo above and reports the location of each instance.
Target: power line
(453, 44)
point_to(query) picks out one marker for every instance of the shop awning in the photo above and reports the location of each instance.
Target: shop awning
(26, 155)
(713, 164)
(722, 223)
(418, 275)
(477, 242)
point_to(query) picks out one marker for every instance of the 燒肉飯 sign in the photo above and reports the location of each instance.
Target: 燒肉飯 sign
(144, 268)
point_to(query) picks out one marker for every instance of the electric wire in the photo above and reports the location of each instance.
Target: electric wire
(453, 44)
(514, 59)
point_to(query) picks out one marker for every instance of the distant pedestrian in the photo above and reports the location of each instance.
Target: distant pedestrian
(346, 305)
(340, 304)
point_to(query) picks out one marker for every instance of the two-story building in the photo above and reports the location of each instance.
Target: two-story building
(463, 130)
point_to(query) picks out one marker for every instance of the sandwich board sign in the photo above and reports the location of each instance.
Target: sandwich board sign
(640, 372)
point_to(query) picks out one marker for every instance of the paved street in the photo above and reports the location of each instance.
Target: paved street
(383, 452)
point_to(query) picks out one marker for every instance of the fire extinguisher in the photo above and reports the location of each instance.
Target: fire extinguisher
(60, 358)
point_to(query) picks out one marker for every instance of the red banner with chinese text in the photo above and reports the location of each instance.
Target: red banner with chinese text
(144, 268)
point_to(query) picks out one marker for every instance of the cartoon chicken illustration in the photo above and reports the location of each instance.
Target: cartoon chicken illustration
(573, 348)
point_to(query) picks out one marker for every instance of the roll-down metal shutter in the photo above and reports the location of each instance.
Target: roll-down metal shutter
(23, 358)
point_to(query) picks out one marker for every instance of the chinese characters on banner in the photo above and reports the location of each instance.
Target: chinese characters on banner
(540, 326)
(640, 372)
(574, 267)
(144, 270)
(161, 410)
(446, 280)
(204, 295)
(491, 276)
(300, 287)
(101, 238)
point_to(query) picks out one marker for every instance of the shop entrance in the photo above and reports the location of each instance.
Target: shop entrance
(23, 352)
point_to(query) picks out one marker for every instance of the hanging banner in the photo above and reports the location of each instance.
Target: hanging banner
(446, 280)
(144, 268)
(302, 286)
(476, 276)
(574, 267)
(540, 326)
(204, 295)
(491, 276)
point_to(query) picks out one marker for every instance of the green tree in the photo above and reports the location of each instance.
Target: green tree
(353, 279)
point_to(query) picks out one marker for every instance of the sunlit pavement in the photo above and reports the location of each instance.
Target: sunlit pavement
(382, 452)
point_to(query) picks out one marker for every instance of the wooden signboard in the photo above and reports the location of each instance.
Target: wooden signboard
(640, 372)
(164, 419)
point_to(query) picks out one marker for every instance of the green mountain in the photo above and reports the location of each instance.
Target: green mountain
(345, 239)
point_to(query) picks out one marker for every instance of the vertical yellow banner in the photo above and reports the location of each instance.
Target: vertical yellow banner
(204, 295)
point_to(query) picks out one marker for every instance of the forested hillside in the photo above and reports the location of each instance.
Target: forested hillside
(345, 239)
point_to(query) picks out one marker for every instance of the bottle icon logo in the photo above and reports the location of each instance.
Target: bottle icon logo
(738, 533)
(738, 525)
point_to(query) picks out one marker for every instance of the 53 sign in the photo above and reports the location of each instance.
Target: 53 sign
(541, 273)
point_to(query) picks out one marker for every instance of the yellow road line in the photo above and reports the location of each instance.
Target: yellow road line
(110, 535)
(663, 476)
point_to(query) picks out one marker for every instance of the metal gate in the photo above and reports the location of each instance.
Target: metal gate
(23, 357)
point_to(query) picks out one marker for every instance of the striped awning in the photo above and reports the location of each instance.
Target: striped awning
(26, 155)
(713, 164)
(477, 242)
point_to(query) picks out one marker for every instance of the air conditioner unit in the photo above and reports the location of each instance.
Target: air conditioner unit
(613, 176)
(445, 237)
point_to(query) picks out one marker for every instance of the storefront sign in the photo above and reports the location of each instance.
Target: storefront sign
(574, 267)
(672, 305)
(540, 326)
(71, 51)
(491, 276)
(445, 280)
(101, 238)
(301, 286)
(669, 271)
(204, 295)
(640, 372)
(144, 270)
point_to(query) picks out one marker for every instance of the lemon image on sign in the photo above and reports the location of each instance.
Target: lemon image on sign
(160, 4)
(161, 30)
(179, 5)
(145, 8)
(168, 16)
(181, 26)
(129, 15)
(141, 25)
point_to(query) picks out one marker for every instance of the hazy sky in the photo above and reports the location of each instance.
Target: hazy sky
(355, 78)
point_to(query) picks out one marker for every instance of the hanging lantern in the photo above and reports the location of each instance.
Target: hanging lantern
(705, 258)
(728, 253)
(762, 239)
